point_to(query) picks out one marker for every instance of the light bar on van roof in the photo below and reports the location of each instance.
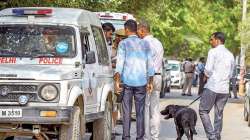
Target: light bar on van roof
(20, 12)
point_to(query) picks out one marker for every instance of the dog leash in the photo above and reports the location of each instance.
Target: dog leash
(194, 100)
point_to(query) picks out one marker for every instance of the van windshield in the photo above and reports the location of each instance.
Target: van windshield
(37, 41)
(174, 67)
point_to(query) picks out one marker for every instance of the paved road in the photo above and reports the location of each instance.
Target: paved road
(234, 126)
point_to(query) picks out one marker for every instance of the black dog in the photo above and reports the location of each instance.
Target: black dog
(185, 120)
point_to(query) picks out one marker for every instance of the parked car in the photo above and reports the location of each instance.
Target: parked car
(177, 74)
(55, 74)
(235, 79)
(166, 78)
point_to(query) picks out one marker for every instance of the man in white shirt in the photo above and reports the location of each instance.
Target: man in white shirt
(152, 116)
(218, 70)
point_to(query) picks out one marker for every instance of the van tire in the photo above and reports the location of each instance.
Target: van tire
(72, 131)
(102, 128)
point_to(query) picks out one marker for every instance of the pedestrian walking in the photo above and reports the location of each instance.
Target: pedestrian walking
(134, 68)
(200, 70)
(152, 111)
(188, 68)
(218, 70)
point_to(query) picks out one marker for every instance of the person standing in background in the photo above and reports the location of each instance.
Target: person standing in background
(134, 68)
(152, 111)
(109, 30)
(188, 68)
(200, 70)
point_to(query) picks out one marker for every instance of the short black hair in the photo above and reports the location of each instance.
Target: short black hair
(220, 36)
(202, 59)
(131, 25)
(108, 27)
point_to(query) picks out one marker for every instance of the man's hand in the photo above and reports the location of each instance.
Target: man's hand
(117, 83)
(149, 86)
(118, 88)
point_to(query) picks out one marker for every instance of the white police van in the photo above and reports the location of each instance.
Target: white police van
(55, 74)
(117, 19)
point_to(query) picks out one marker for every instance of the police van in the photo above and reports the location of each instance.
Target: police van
(55, 74)
(117, 19)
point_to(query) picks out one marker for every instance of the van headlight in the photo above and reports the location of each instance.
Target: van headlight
(48, 92)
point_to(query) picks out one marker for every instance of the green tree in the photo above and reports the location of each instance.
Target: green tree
(183, 26)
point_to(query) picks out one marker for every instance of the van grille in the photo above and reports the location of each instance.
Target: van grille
(11, 93)
(20, 88)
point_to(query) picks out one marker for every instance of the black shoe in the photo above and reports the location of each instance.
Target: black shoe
(119, 122)
(189, 94)
(183, 94)
(133, 119)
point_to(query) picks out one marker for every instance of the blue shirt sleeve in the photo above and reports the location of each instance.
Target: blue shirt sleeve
(120, 58)
(150, 63)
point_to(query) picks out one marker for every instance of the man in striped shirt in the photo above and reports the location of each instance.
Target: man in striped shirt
(152, 116)
(134, 68)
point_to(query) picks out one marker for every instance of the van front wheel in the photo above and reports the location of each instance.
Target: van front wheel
(102, 128)
(73, 130)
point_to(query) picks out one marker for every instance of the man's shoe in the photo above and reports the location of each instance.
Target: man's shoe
(119, 122)
(183, 94)
(189, 94)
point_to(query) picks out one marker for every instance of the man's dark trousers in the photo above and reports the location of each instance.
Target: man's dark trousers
(139, 94)
(208, 100)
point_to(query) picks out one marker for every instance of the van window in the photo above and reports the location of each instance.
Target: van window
(85, 44)
(37, 41)
(102, 52)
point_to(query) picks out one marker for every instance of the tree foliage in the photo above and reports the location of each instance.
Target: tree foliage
(183, 26)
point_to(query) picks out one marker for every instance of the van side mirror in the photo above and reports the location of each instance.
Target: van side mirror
(90, 57)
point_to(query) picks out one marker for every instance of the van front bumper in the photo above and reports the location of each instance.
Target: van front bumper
(31, 115)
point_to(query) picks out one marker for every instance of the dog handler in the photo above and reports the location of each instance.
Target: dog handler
(152, 113)
(218, 70)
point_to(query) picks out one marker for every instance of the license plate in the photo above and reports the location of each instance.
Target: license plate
(10, 113)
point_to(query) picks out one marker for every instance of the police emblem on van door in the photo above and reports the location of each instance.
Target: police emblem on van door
(4, 91)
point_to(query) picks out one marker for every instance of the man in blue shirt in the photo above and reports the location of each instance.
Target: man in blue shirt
(134, 68)
(200, 70)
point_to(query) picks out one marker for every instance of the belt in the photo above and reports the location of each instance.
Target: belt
(157, 73)
(188, 72)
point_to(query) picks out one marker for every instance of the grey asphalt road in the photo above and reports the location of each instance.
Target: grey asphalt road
(234, 128)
